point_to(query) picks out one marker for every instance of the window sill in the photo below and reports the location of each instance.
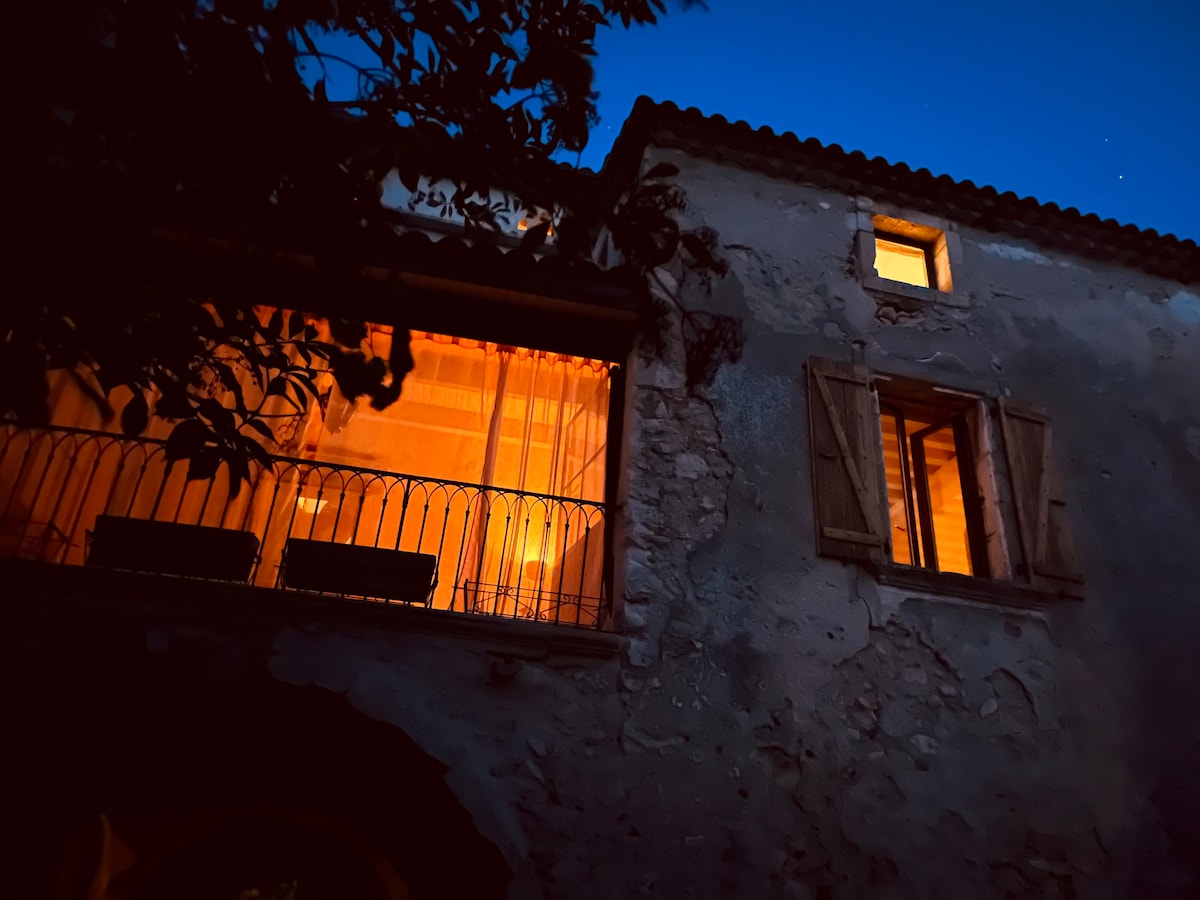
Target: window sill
(912, 292)
(967, 587)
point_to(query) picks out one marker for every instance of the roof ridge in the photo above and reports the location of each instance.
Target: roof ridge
(655, 122)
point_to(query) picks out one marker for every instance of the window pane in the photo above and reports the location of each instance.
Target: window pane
(897, 509)
(900, 262)
(946, 502)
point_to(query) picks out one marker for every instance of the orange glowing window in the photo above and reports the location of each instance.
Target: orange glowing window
(907, 479)
(493, 459)
(525, 224)
(899, 259)
(926, 450)
(527, 423)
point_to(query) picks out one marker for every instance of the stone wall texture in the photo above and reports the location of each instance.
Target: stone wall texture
(778, 724)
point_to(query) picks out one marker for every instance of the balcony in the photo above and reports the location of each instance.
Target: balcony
(69, 496)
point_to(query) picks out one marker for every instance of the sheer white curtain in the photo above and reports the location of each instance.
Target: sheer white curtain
(516, 421)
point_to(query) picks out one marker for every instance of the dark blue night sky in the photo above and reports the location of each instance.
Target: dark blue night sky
(1094, 105)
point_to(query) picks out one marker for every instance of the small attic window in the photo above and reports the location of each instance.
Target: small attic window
(905, 252)
(900, 259)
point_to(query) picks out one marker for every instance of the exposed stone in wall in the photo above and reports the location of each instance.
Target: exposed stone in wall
(679, 473)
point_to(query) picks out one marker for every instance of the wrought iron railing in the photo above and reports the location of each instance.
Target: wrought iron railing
(500, 552)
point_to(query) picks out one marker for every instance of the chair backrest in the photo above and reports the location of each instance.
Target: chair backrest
(170, 548)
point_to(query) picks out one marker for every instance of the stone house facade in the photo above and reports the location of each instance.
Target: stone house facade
(788, 695)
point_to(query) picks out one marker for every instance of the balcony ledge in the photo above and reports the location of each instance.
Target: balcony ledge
(37, 589)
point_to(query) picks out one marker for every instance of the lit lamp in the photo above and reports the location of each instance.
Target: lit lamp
(533, 568)
(310, 505)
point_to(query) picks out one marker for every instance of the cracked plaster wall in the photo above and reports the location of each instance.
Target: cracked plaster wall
(779, 725)
(967, 748)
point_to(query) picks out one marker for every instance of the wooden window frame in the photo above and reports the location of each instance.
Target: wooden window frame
(936, 237)
(1027, 560)
(914, 477)
(612, 487)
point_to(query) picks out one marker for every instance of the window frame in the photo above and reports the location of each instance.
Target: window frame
(603, 327)
(937, 237)
(915, 480)
(1028, 528)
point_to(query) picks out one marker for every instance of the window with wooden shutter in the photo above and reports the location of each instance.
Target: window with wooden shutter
(907, 479)
(1047, 547)
(846, 462)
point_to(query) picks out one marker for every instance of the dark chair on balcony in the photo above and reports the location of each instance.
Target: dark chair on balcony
(351, 570)
(169, 548)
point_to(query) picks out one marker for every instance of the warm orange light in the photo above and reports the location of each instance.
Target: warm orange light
(527, 424)
(946, 502)
(946, 508)
(901, 262)
(474, 412)
(526, 224)
(898, 504)
(310, 505)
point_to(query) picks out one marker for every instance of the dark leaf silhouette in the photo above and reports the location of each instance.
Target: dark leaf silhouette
(174, 403)
(296, 326)
(278, 386)
(261, 427)
(190, 214)
(239, 468)
(136, 415)
(204, 464)
(535, 236)
(348, 333)
(250, 448)
(219, 417)
(187, 438)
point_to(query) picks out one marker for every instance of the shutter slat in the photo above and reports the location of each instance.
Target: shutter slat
(858, 537)
(1046, 543)
(839, 434)
(847, 462)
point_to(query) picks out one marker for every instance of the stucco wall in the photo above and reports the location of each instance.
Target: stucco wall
(780, 725)
(1081, 763)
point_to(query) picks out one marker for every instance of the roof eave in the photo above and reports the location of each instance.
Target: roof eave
(786, 156)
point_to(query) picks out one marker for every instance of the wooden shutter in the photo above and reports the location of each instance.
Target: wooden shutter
(847, 462)
(1046, 543)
